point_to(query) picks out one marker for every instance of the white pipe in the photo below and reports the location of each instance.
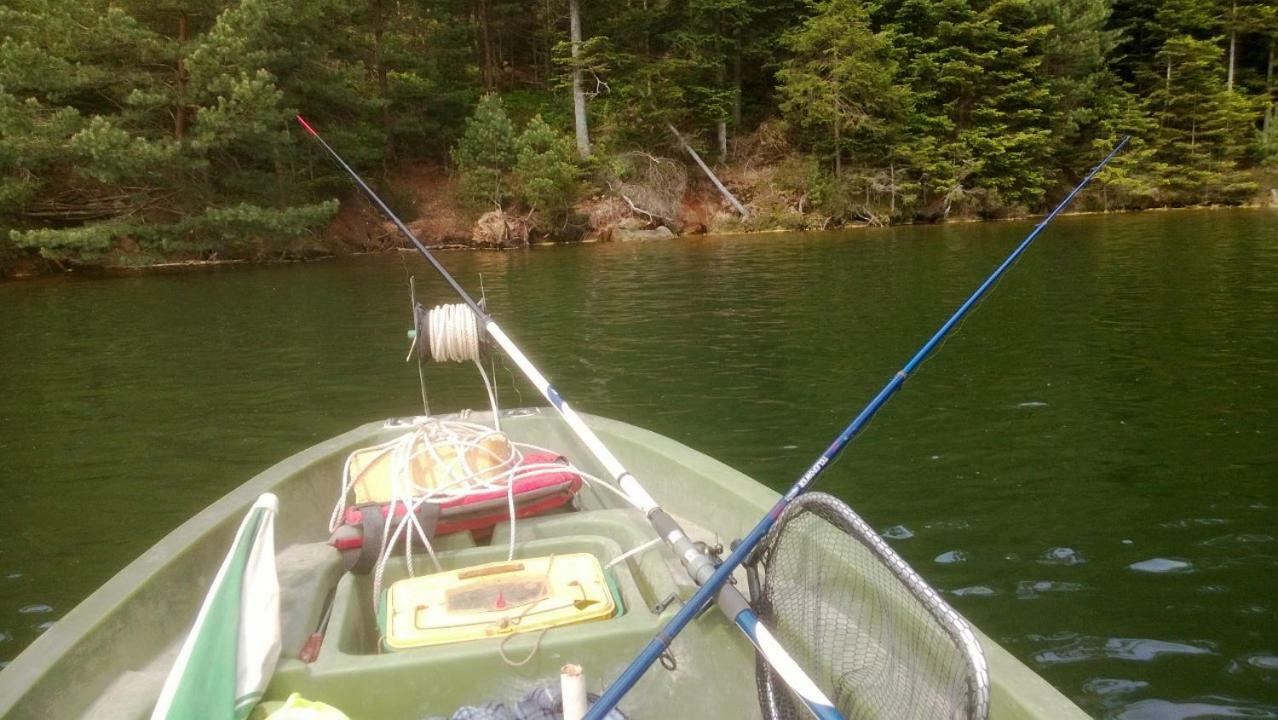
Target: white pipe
(572, 687)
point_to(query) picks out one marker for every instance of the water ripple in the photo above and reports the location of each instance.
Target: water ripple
(1062, 556)
(1113, 686)
(898, 532)
(976, 591)
(1193, 522)
(1155, 709)
(1162, 566)
(1082, 648)
(1031, 589)
(1239, 539)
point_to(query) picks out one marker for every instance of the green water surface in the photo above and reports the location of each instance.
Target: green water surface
(1087, 468)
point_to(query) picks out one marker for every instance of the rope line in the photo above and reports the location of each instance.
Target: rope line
(454, 336)
(453, 447)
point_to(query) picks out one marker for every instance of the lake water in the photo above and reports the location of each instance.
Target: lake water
(1087, 468)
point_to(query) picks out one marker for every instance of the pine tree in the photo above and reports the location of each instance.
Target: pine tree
(486, 153)
(1083, 86)
(1204, 129)
(839, 83)
(545, 175)
(158, 153)
(981, 110)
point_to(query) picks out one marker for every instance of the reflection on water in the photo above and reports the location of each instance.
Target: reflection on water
(1112, 401)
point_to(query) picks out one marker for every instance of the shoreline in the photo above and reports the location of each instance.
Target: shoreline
(186, 265)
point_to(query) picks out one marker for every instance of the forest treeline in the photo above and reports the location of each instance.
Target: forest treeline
(142, 129)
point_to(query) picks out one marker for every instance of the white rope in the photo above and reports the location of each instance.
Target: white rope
(454, 337)
(454, 333)
(453, 448)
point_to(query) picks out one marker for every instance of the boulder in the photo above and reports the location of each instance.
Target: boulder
(623, 235)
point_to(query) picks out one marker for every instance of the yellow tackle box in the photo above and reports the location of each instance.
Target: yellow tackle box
(494, 600)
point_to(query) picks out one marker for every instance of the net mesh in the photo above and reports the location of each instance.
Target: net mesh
(867, 629)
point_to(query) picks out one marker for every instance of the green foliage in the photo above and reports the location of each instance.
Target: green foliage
(1204, 130)
(840, 82)
(241, 224)
(536, 169)
(168, 125)
(486, 153)
(114, 156)
(546, 176)
(248, 117)
(123, 128)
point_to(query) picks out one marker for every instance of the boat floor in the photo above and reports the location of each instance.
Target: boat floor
(353, 673)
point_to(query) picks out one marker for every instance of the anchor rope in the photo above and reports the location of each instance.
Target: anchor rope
(454, 333)
(454, 336)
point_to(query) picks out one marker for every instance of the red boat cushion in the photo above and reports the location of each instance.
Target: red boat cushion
(533, 495)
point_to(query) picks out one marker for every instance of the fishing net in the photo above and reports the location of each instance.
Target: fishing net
(869, 631)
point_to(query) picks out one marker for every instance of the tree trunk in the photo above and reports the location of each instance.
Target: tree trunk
(578, 94)
(838, 142)
(1269, 74)
(892, 182)
(721, 128)
(720, 79)
(838, 120)
(1233, 44)
(736, 204)
(736, 81)
(179, 84)
(379, 28)
(487, 61)
(1267, 133)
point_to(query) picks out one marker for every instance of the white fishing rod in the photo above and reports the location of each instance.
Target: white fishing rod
(699, 566)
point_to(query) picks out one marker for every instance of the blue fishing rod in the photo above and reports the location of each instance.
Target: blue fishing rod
(746, 619)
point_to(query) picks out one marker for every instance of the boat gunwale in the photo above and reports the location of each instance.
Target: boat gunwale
(40, 657)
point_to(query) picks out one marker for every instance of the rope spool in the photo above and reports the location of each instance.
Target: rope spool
(453, 333)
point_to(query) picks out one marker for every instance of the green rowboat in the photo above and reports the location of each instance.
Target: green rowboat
(108, 657)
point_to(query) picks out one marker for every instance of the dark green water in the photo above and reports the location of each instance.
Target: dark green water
(1113, 402)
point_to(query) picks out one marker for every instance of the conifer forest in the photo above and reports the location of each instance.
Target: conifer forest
(135, 131)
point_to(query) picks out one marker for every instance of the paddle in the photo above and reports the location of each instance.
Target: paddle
(699, 566)
(657, 646)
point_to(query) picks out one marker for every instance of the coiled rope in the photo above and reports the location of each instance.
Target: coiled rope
(453, 335)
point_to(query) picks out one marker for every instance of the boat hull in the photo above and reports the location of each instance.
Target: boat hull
(108, 656)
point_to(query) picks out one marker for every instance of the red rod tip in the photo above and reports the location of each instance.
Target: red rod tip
(307, 125)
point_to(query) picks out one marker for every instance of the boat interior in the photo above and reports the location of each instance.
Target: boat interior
(96, 663)
(355, 672)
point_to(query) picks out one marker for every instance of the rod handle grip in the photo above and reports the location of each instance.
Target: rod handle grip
(311, 649)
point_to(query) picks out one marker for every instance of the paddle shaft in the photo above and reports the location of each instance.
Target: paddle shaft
(658, 644)
(699, 567)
